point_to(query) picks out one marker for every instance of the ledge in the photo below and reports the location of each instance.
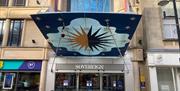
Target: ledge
(20, 12)
(23, 53)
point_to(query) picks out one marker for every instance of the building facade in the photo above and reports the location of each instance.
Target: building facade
(97, 73)
(162, 50)
(23, 49)
(26, 57)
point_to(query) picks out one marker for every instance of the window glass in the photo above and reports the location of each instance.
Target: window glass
(19, 2)
(22, 81)
(90, 5)
(65, 82)
(168, 10)
(4, 2)
(113, 82)
(1, 30)
(165, 79)
(169, 29)
(15, 32)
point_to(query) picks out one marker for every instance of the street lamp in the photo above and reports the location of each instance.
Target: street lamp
(165, 2)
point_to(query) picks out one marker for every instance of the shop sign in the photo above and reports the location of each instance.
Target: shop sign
(1, 64)
(29, 65)
(89, 67)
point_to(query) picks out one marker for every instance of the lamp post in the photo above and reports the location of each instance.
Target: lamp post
(165, 2)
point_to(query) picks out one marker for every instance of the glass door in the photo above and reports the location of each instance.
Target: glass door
(65, 82)
(113, 82)
(21, 81)
(179, 83)
(8, 81)
(89, 82)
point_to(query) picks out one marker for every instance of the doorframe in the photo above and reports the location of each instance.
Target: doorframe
(100, 79)
(178, 79)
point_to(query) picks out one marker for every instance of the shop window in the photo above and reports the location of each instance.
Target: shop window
(1, 30)
(19, 2)
(4, 2)
(22, 81)
(169, 25)
(165, 79)
(15, 32)
(89, 5)
(65, 82)
(113, 82)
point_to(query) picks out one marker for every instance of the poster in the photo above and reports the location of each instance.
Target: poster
(8, 81)
(114, 83)
(65, 83)
(165, 87)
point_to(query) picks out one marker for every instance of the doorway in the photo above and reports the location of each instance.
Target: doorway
(21, 81)
(89, 82)
(65, 82)
(178, 84)
(113, 82)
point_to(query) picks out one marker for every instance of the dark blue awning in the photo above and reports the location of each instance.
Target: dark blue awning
(87, 34)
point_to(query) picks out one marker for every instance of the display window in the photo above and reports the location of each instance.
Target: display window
(65, 81)
(89, 82)
(19, 81)
(113, 82)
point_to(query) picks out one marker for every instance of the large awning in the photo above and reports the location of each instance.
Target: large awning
(87, 34)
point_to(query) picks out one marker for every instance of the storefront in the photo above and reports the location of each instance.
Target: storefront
(90, 50)
(20, 75)
(96, 74)
(164, 70)
(87, 77)
(89, 81)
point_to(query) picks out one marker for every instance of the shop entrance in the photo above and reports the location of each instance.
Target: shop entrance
(113, 82)
(65, 82)
(179, 83)
(20, 81)
(89, 82)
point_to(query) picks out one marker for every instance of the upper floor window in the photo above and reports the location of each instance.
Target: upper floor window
(90, 5)
(168, 10)
(4, 2)
(169, 25)
(169, 29)
(19, 2)
(1, 30)
(15, 32)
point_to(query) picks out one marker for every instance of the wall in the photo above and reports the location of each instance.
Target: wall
(32, 33)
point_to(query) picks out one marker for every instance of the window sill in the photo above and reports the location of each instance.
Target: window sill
(171, 39)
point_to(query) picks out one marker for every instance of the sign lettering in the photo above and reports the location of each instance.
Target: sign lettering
(89, 67)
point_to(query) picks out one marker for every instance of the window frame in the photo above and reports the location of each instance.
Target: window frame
(168, 22)
(2, 30)
(173, 33)
(167, 79)
(6, 3)
(15, 3)
(12, 32)
(69, 3)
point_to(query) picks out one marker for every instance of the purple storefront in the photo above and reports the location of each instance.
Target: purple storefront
(20, 75)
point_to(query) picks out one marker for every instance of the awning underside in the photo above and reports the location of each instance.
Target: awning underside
(87, 34)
